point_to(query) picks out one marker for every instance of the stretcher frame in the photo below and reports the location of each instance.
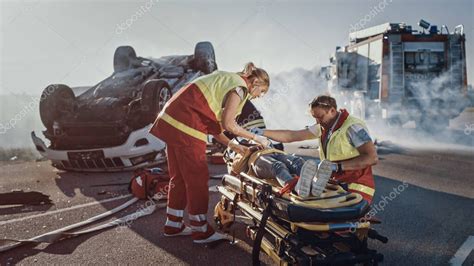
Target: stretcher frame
(294, 243)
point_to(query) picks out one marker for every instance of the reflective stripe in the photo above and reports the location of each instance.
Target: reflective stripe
(139, 181)
(202, 228)
(173, 224)
(260, 125)
(174, 212)
(254, 123)
(362, 188)
(198, 217)
(184, 128)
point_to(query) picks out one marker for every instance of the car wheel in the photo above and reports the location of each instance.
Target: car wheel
(162, 97)
(123, 58)
(56, 101)
(204, 57)
(155, 94)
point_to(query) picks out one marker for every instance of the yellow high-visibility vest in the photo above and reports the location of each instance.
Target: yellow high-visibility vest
(215, 87)
(339, 147)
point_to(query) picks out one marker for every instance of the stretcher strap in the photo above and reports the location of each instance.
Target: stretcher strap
(260, 232)
(362, 188)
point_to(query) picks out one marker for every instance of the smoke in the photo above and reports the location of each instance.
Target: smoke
(286, 104)
(442, 116)
(19, 115)
(443, 119)
(286, 107)
(437, 91)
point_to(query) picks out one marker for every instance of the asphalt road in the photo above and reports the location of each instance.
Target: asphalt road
(425, 198)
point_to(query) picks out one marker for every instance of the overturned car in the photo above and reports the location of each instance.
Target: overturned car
(105, 127)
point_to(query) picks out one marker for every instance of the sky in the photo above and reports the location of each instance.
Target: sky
(72, 42)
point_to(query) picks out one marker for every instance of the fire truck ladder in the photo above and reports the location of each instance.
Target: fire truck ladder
(456, 62)
(397, 71)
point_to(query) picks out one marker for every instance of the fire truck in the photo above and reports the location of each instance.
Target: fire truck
(398, 74)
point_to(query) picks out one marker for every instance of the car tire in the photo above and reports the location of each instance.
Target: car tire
(204, 57)
(123, 58)
(57, 100)
(155, 94)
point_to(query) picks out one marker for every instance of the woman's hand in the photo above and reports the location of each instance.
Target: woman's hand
(240, 149)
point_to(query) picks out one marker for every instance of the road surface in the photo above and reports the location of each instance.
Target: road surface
(425, 198)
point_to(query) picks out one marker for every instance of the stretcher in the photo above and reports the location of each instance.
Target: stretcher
(329, 230)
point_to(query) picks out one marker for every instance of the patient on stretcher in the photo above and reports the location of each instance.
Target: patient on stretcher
(293, 173)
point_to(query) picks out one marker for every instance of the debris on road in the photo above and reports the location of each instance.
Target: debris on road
(24, 198)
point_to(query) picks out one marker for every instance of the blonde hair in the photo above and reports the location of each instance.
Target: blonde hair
(251, 71)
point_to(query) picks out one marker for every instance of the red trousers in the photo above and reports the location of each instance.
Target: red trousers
(189, 188)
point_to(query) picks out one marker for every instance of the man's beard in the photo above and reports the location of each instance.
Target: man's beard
(331, 122)
(324, 125)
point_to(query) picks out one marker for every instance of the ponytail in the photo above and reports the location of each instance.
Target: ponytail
(251, 71)
(248, 69)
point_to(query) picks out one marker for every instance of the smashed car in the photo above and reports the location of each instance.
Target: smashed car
(105, 127)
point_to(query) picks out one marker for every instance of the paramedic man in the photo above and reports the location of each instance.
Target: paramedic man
(343, 140)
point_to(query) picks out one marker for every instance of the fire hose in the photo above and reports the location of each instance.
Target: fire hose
(65, 232)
